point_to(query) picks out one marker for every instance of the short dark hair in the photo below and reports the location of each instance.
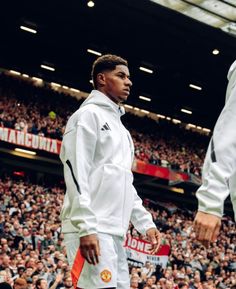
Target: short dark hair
(182, 284)
(106, 62)
(38, 283)
(5, 285)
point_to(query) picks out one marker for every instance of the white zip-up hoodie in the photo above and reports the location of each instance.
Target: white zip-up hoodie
(97, 153)
(219, 170)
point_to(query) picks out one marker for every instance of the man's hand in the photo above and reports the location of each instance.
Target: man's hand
(59, 278)
(206, 227)
(89, 248)
(154, 236)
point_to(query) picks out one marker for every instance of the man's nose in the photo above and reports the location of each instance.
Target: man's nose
(129, 82)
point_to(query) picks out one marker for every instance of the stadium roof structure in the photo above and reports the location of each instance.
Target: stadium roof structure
(178, 62)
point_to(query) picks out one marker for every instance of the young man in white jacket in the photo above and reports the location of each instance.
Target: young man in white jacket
(97, 153)
(219, 170)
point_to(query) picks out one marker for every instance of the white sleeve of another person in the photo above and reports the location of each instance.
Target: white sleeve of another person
(220, 163)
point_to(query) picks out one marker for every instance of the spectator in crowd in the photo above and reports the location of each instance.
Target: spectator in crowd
(20, 283)
(134, 284)
(67, 282)
(5, 285)
(147, 270)
(41, 284)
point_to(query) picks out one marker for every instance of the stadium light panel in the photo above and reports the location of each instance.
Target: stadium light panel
(145, 69)
(195, 86)
(90, 4)
(37, 79)
(191, 125)
(176, 121)
(55, 84)
(25, 151)
(128, 106)
(186, 111)
(14, 72)
(160, 116)
(206, 129)
(25, 75)
(47, 67)
(215, 51)
(74, 89)
(25, 28)
(145, 111)
(145, 98)
(94, 52)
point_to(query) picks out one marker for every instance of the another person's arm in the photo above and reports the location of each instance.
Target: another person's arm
(219, 167)
(57, 281)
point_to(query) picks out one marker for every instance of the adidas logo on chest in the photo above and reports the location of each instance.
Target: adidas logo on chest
(106, 127)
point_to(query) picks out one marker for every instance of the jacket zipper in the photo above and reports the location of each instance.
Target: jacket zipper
(73, 176)
(122, 140)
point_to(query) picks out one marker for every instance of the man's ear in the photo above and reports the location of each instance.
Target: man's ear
(101, 79)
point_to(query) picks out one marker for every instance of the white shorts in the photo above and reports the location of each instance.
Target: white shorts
(112, 269)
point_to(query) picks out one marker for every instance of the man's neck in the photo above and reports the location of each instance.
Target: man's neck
(109, 96)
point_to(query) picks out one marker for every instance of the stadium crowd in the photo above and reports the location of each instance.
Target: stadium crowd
(32, 252)
(33, 256)
(42, 111)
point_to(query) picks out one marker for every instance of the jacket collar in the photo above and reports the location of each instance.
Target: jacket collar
(100, 99)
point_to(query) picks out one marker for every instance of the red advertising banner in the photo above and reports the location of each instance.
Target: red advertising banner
(30, 140)
(178, 176)
(38, 142)
(142, 167)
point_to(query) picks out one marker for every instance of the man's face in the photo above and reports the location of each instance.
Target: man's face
(116, 83)
(149, 281)
(68, 282)
(40, 266)
(43, 284)
(29, 272)
(134, 283)
(169, 284)
(147, 265)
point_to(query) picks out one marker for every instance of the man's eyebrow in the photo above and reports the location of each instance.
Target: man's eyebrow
(123, 73)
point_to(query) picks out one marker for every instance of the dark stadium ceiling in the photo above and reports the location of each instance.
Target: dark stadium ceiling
(177, 48)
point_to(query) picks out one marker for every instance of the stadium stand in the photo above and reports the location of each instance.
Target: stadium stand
(41, 111)
(32, 248)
